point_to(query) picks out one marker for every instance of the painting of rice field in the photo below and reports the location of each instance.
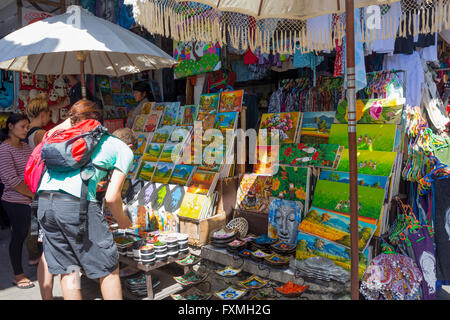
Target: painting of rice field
(335, 227)
(373, 137)
(335, 196)
(378, 182)
(313, 246)
(170, 152)
(162, 172)
(377, 163)
(146, 171)
(153, 151)
(316, 126)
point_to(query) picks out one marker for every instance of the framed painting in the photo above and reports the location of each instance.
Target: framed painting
(254, 193)
(202, 181)
(284, 219)
(316, 126)
(231, 101)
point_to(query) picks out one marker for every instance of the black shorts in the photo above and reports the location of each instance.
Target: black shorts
(59, 217)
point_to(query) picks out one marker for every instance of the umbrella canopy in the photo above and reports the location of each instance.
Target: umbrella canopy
(51, 46)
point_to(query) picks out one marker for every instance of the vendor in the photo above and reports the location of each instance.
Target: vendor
(142, 94)
(75, 91)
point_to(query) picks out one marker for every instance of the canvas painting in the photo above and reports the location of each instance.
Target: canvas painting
(209, 103)
(318, 155)
(181, 134)
(152, 121)
(225, 120)
(148, 107)
(159, 106)
(170, 153)
(158, 196)
(118, 99)
(376, 163)
(162, 134)
(139, 122)
(267, 160)
(284, 219)
(335, 227)
(309, 246)
(188, 115)
(181, 174)
(195, 57)
(153, 151)
(134, 166)
(316, 126)
(212, 158)
(207, 119)
(141, 142)
(103, 83)
(286, 123)
(170, 113)
(193, 205)
(129, 101)
(254, 193)
(162, 172)
(202, 181)
(373, 111)
(291, 183)
(335, 196)
(231, 101)
(144, 195)
(146, 171)
(373, 137)
(115, 86)
(377, 182)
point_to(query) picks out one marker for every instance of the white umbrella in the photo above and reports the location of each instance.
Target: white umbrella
(77, 41)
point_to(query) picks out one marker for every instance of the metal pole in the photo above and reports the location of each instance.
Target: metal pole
(351, 98)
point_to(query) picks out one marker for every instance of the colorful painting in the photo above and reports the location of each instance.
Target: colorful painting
(313, 246)
(196, 57)
(377, 163)
(202, 181)
(207, 119)
(118, 99)
(162, 172)
(121, 112)
(148, 107)
(153, 151)
(146, 171)
(129, 101)
(209, 103)
(103, 83)
(284, 219)
(318, 155)
(373, 111)
(373, 137)
(141, 142)
(212, 158)
(286, 123)
(170, 113)
(231, 101)
(139, 122)
(193, 205)
(134, 166)
(162, 134)
(170, 152)
(159, 106)
(267, 160)
(152, 121)
(316, 126)
(188, 115)
(225, 120)
(254, 193)
(291, 183)
(377, 182)
(181, 174)
(335, 227)
(172, 202)
(335, 196)
(181, 134)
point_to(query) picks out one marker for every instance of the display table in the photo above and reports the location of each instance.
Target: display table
(147, 268)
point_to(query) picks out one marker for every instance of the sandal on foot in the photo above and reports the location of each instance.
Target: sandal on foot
(29, 286)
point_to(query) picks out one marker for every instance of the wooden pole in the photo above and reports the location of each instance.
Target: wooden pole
(351, 99)
(81, 56)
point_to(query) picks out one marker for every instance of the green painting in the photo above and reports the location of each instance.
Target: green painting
(318, 155)
(291, 183)
(374, 137)
(146, 170)
(373, 111)
(377, 163)
(153, 152)
(335, 196)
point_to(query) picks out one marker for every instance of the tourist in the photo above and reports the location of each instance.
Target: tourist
(16, 198)
(59, 213)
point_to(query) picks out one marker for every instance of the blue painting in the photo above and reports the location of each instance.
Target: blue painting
(316, 126)
(172, 202)
(284, 219)
(6, 91)
(181, 174)
(366, 180)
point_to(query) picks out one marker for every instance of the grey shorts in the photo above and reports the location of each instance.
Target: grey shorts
(59, 217)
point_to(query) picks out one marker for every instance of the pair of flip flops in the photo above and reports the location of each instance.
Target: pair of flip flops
(28, 286)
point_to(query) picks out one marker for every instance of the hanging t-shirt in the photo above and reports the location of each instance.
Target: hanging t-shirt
(429, 53)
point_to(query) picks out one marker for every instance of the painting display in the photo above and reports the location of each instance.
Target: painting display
(139, 123)
(376, 163)
(373, 111)
(209, 103)
(187, 115)
(231, 101)
(195, 57)
(267, 160)
(207, 120)
(378, 182)
(134, 166)
(318, 155)
(316, 126)
(287, 124)
(371, 137)
(170, 153)
(152, 121)
(254, 193)
(335, 227)
(291, 183)
(284, 219)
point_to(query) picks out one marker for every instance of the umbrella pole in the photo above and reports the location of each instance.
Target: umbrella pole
(81, 56)
(351, 98)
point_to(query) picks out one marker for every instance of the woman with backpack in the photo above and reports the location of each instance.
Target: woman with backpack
(16, 196)
(73, 240)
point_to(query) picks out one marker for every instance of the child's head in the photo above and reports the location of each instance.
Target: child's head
(127, 136)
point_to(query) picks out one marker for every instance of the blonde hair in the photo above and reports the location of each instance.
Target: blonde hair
(37, 105)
